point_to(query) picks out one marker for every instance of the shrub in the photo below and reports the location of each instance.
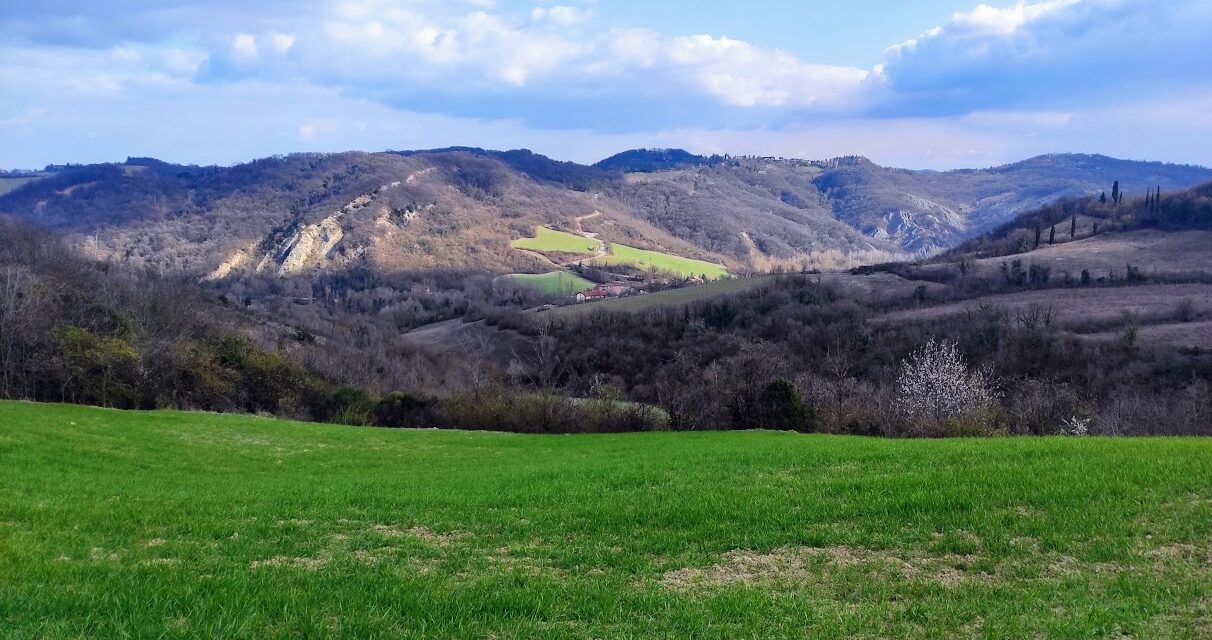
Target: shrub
(403, 410)
(782, 408)
(938, 395)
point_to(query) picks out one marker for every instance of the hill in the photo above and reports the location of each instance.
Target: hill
(927, 211)
(460, 208)
(121, 524)
(1095, 221)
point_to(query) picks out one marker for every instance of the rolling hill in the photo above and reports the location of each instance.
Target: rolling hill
(461, 208)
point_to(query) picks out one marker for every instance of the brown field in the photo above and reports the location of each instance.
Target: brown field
(1181, 335)
(1084, 306)
(477, 338)
(1154, 252)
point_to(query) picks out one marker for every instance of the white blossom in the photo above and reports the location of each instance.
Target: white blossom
(936, 384)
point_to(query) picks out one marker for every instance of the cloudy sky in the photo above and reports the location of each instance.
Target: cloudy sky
(928, 83)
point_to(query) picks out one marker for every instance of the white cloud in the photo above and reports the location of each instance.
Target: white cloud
(244, 45)
(560, 14)
(281, 42)
(312, 129)
(124, 54)
(182, 61)
(743, 75)
(994, 83)
(371, 42)
(985, 19)
(1050, 52)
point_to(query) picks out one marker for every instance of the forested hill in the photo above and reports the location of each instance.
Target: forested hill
(460, 207)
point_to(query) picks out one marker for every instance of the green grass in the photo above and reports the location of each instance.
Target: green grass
(554, 283)
(667, 298)
(166, 524)
(550, 240)
(656, 261)
(12, 184)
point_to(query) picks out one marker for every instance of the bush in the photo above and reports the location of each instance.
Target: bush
(403, 410)
(782, 408)
(938, 395)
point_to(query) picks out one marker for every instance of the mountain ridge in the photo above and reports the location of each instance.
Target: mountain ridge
(460, 206)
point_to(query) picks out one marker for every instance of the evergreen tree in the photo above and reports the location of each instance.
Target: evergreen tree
(1102, 199)
(1115, 194)
(1037, 232)
(1052, 235)
(1073, 227)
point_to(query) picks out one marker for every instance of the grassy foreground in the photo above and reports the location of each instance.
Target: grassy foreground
(166, 524)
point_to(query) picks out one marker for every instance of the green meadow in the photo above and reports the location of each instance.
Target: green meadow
(550, 240)
(554, 283)
(666, 298)
(657, 261)
(172, 524)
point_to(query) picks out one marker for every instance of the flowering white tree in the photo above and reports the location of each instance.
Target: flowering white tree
(936, 384)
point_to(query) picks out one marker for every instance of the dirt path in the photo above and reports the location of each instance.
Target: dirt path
(541, 257)
(601, 252)
(577, 220)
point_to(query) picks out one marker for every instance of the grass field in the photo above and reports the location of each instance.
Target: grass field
(554, 283)
(670, 297)
(557, 241)
(656, 261)
(166, 524)
(12, 184)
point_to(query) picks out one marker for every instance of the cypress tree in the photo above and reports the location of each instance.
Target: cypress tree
(1102, 199)
(1073, 227)
(1115, 195)
(1037, 232)
(1052, 235)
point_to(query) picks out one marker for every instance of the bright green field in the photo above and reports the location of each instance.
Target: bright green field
(554, 283)
(550, 240)
(164, 525)
(656, 261)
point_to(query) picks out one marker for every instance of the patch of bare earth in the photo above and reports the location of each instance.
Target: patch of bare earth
(422, 533)
(801, 565)
(305, 563)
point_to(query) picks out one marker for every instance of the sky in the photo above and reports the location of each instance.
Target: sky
(925, 84)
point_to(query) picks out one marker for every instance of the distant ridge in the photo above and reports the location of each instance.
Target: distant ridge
(460, 207)
(652, 160)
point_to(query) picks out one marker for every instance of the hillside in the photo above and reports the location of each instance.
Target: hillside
(460, 208)
(117, 524)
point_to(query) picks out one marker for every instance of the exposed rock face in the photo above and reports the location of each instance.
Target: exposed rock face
(311, 246)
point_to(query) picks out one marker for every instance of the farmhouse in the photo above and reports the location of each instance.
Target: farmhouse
(608, 290)
(615, 288)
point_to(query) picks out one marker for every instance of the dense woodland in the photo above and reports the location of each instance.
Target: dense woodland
(794, 353)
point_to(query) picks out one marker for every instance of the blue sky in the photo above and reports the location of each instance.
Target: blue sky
(923, 84)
